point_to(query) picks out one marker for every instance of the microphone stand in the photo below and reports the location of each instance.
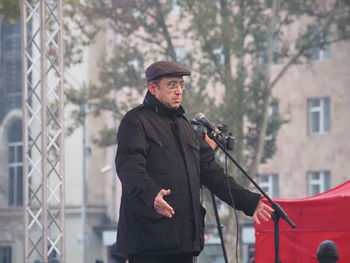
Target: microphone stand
(219, 226)
(278, 211)
(215, 208)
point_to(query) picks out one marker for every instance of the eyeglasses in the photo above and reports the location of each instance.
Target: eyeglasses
(174, 85)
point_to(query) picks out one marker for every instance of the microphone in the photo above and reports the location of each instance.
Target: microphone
(194, 122)
(200, 117)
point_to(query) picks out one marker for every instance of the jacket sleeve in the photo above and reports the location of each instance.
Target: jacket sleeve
(130, 161)
(214, 178)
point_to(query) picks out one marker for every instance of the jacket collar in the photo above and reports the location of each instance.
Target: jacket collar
(160, 108)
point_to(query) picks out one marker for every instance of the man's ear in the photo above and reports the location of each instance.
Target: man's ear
(152, 88)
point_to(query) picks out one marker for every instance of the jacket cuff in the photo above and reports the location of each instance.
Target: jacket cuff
(252, 200)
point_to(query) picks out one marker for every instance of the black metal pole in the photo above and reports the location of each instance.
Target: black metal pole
(276, 219)
(219, 226)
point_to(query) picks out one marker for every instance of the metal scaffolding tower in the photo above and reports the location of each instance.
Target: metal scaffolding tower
(42, 56)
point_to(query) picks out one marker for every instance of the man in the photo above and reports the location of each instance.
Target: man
(327, 252)
(162, 164)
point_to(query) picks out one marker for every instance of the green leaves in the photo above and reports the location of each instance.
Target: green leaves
(10, 10)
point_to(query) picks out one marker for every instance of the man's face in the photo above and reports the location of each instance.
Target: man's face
(168, 91)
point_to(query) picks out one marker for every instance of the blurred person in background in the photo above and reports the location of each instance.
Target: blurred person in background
(327, 252)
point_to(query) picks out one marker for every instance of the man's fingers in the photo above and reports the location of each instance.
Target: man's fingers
(256, 219)
(270, 208)
(165, 192)
(166, 211)
(268, 214)
(167, 214)
(265, 216)
(263, 211)
(166, 207)
(161, 206)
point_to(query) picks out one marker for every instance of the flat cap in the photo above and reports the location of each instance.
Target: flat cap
(165, 68)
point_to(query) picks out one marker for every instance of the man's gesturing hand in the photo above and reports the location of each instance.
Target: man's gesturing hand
(262, 210)
(161, 206)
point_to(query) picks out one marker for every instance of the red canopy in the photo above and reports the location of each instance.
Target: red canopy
(320, 217)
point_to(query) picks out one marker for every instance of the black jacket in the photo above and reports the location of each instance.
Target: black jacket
(158, 149)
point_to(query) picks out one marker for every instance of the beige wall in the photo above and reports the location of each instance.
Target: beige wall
(84, 73)
(12, 232)
(298, 152)
(94, 247)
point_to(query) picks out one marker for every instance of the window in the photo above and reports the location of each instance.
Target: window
(15, 148)
(175, 8)
(273, 111)
(180, 52)
(5, 255)
(133, 68)
(272, 117)
(320, 51)
(269, 183)
(53, 257)
(319, 115)
(262, 53)
(10, 67)
(219, 55)
(319, 181)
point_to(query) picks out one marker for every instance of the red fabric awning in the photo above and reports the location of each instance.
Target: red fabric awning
(320, 217)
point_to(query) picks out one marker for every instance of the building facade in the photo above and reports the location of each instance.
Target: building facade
(83, 162)
(312, 148)
(11, 146)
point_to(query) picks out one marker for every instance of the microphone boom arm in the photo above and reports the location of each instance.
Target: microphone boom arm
(278, 210)
(215, 134)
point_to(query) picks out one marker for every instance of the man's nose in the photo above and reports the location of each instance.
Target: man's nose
(179, 90)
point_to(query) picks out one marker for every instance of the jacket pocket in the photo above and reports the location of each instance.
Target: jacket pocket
(162, 144)
(157, 233)
(194, 148)
(159, 155)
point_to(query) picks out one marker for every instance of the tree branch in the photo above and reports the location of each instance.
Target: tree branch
(267, 95)
(207, 47)
(306, 46)
(166, 34)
